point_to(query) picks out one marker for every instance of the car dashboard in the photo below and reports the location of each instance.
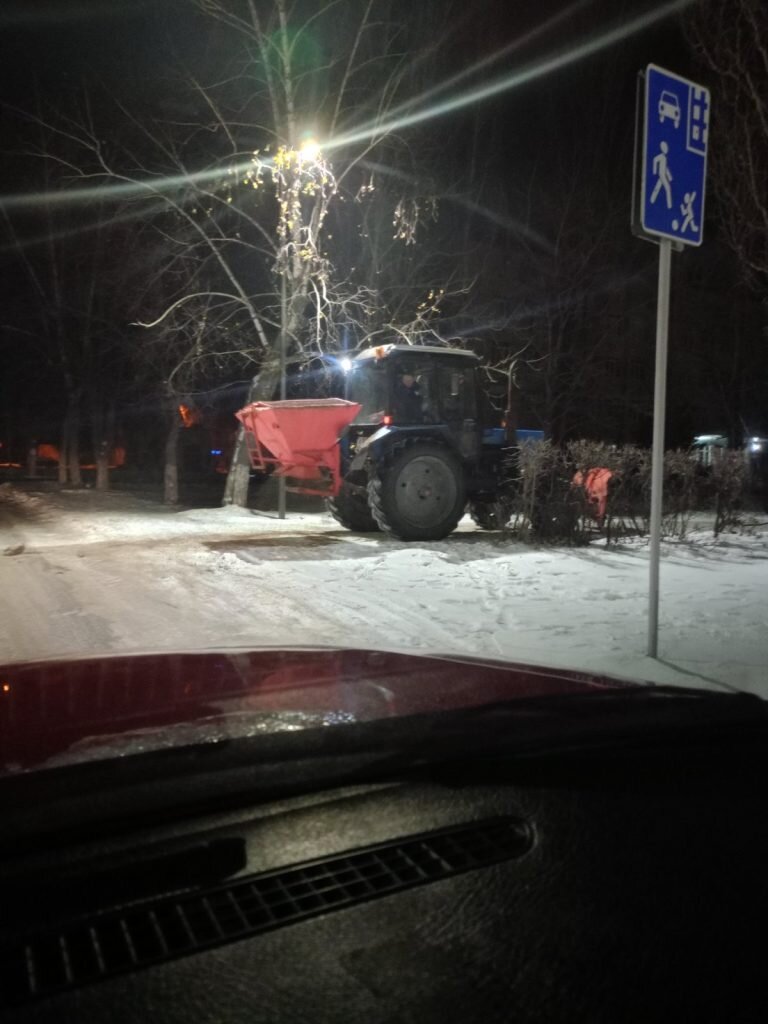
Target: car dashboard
(619, 886)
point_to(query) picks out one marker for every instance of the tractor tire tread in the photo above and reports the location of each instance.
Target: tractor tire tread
(351, 512)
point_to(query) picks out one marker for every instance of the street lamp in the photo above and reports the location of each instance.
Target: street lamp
(309, 150)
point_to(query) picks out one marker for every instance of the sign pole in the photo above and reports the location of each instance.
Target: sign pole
(673, 173)
(281, 483)
(657, 460)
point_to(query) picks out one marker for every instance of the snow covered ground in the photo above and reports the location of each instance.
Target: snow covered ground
(84, 572)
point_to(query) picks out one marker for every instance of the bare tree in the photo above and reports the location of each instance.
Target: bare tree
(578, 300)
(240, 176)
(279, 194)
(70, 315)
(173, 360)
(322, 71)
(730, 37)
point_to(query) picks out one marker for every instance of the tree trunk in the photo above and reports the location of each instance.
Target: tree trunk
(239, 475)
(73, 459)
(102, 466)
(262, 389)
(103, 435)
(64, 449)
(171, 471)
(32, 460)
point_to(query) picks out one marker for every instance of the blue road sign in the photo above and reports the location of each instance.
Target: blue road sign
(674, 156)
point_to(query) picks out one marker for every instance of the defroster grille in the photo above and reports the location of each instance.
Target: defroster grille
(115, 941)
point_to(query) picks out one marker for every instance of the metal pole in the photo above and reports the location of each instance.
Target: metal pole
(281, 492)
(657, 463)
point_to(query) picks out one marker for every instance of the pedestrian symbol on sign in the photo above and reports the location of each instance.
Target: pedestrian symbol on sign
(686, 208)
(663, 175)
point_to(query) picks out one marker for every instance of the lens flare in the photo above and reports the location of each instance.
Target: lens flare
(310, 149)
(531, 73)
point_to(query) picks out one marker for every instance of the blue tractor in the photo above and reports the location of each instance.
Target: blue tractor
(426, 446)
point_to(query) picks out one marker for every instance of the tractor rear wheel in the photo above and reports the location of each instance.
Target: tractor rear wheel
(417, 492)
(350, 509)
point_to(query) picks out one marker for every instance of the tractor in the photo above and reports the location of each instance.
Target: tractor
(415, 443)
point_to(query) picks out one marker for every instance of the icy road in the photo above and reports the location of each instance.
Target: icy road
(89, 573)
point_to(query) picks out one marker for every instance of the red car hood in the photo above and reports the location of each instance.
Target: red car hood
(49, 708)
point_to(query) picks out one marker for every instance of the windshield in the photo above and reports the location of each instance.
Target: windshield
(211, 210)
(367, 384)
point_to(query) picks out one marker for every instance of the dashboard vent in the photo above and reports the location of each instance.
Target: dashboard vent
(113, 942)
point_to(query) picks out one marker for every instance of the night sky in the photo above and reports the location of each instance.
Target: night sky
(125, 49)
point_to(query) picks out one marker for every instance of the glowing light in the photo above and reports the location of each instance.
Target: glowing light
(6, 687)
(345, 364)
(189, 417)
(309, 151)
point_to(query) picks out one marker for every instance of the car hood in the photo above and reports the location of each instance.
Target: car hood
(87, 708)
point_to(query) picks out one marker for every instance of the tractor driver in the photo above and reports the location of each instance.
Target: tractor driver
(407, 399)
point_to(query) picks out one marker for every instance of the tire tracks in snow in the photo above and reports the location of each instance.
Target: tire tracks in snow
(359, 601)
(43, 616)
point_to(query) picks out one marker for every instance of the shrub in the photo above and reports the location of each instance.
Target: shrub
(564, 494)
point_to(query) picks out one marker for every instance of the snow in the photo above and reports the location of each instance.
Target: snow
(111, 573)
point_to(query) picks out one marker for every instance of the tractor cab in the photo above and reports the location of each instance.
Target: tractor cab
(417, 388)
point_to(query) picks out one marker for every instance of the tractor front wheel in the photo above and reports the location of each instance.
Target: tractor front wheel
(350, 509)
(417, 492)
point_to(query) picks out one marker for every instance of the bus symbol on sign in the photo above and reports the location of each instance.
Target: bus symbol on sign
(674, 156)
